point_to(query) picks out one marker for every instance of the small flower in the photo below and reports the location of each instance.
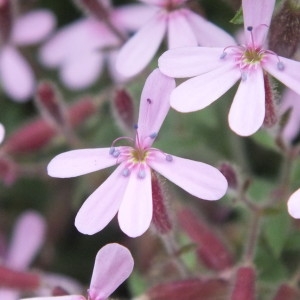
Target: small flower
(113, 265)
(128, 190)
(218, 69)
(182, 27)
(17, 77)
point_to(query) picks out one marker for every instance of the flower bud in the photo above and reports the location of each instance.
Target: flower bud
(286, 292)
(271, 115)
(284, 34)
(230, 174)
(244, 284)
(160, 219)
(210, 249)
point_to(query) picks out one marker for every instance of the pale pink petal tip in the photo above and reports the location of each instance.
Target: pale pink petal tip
(113, 265)
(2, 133)
(294, 205)
(71, 297)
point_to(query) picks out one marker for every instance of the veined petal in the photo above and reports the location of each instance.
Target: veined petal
(132, 16)
(207, 33)
(199, 92)
(247, 111)
(197, 178)
(33, 27)
(2, 133)
(25, 246)
(190, 61)
(113, 265)
(180, 33)
(138, 51)
(258, 14)
(79, 162)
(82, 72)
(289, 75)
(97, 211)
(16, 75)
(135, 212)
(69, 297)
(154, 104)
(294, 205)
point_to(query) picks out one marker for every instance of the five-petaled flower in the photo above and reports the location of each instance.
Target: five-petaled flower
(113, 265)
(218, 69)
(128, 190)
(183, 28)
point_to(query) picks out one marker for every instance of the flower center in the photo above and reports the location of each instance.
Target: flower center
(139, 155)
(252, 56)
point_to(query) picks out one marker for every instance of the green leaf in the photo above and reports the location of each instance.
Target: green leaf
(238, 18)
(265, 139)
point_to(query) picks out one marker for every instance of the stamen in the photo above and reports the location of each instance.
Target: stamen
(126, 172)
(141, 174)
(149, 101)
(135, 126)
(223, 55)
(169, 157)
(280, 66)
(153, 135)
(116, 153)
(244, 76)
(112, 150)
(250, 29)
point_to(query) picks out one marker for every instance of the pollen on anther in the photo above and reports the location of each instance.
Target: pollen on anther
(153, 135)
(126, 172)
(249, 28)
(141, 174)
(135, 126)
(280, 66)
(116, 153)
(244, 76)
(149, 101)
(223, 55)
(112, 150)
(169, 157)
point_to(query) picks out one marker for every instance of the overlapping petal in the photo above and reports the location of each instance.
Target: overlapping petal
(180, 33)
(32, 27)
(16, 75)
(24, 246)
(199, 179)
(201, 91)
(135, 213)
(207, 33)
(138, 51)
(113, 265)
(190, 61)
(289, 75)
(258, 14)
(100, 207)
(79, 162)
(154, 104)
(294, 204)
(247, 111)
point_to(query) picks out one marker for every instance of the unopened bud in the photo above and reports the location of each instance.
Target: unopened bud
(284, 34)
(211, 250)
(230, 174)
(123, 109)
(209, 289)
(287, 292)
(271, 116)
(18, 280)
(244, 284)
(160, 218)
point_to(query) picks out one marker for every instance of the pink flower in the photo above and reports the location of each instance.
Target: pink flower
(2, 133)
(218, 69)
(128, 190)
(17, 77)
(80, 49)
(183, 28)
(23, 247)
(113, 265)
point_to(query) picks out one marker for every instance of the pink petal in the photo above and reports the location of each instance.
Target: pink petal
(138, 51)
(75, 39)
(79, 162)
(135, 212)
(70, 297)
(9, 294)
(113, 265)
(201, 91)
(258, 14)
(247, 111)
(2, 133)
(290, 75)
(33, 27)
(190, 61)
(294, 205)
(132, 16)
(207, 33)
(180, 32)
(111, 59)
(197, 178)
(82, 72)
(16, 75)
(97, 211)
(154, 104)
(155, 2)
(24, 246)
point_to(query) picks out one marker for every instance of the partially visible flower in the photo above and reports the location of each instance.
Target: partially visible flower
(183, 28)
(80, 49)
(293, 205)
(128, 190)
(215, 70)
(23, 247)
(113, 265)
(17, 77)
(2, 133)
